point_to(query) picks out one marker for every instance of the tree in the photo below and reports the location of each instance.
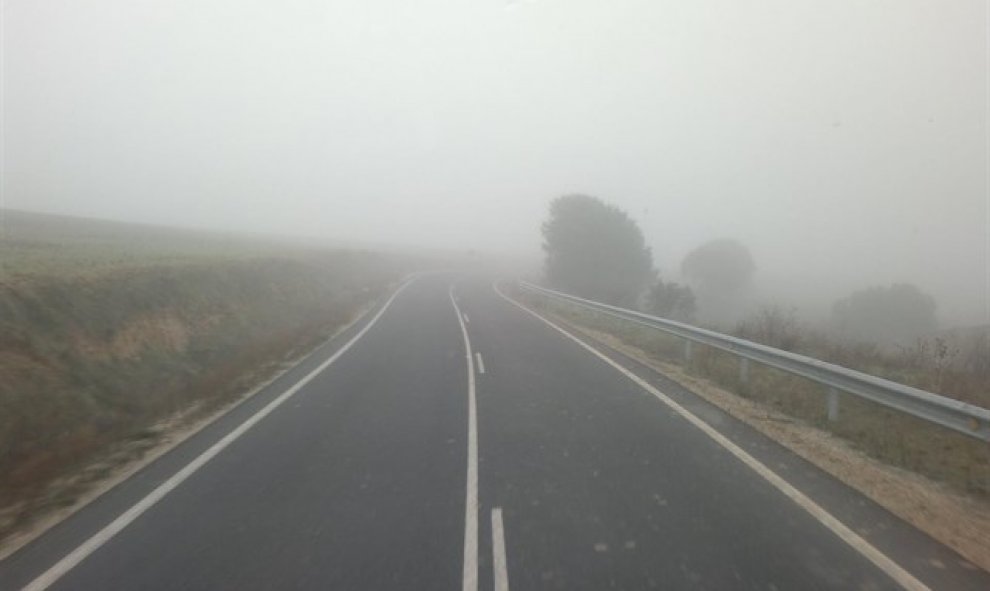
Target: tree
(718, 271)
(594, 250)
(898, 314)
(672, 301)
(719, 266)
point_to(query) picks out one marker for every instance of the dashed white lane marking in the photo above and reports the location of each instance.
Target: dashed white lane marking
(499, 567)
(470, 575)
(878, 558)
(466, 319)
(101, 537)
(481, 363)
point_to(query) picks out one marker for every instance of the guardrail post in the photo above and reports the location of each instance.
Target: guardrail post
(687, 351)
(743, 371)
(832, 404)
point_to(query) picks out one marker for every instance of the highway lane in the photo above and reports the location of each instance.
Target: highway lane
(362, 479)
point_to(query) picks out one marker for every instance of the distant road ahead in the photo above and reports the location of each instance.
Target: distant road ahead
(453, 440)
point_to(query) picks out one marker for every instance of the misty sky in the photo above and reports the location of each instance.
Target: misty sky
(844, 142)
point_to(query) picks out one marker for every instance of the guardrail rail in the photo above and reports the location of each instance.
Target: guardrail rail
(959, 416)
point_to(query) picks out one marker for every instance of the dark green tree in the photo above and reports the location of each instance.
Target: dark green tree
(596, 251)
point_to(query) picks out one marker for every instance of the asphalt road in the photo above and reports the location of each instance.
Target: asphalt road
(452, 440)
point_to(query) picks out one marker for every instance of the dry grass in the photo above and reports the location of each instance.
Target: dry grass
(74, 489)
(65, 402)
(92, 359)
(41, 245)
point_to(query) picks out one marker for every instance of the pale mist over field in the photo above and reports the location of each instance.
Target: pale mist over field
(845, 143)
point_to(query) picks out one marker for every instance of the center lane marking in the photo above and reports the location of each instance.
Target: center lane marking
(470, 575)
(501, 570)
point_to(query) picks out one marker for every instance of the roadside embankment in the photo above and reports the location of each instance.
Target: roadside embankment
(93, 363)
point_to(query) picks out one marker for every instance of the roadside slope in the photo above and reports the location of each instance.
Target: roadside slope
(94, 359)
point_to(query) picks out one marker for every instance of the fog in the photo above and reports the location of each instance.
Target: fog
(845, 143)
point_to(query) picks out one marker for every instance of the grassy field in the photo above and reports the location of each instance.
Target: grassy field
(958, 461)
(40, 245)
(108, 329)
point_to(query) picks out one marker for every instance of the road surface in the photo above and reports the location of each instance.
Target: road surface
(453, 440)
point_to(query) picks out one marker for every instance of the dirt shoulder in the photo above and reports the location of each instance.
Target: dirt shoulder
(957, 521)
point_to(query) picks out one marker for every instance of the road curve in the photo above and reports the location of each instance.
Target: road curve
(354, 470)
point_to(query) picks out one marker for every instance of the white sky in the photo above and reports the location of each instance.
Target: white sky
(846, 142)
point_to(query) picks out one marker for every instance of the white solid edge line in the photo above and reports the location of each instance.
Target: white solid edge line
(481, 363)
(871, 553)
(71, 560)
(470, 578)
(499, 567)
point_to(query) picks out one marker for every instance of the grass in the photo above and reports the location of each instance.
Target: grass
(961, 462)
(40, 245)
(107, 329)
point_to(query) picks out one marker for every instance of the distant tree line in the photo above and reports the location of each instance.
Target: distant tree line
(898, 314)
(597, 251)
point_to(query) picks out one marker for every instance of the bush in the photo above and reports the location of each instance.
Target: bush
(672, 301)
(895, 315)
(773, 326)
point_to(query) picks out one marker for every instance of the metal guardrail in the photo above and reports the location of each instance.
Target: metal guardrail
(956, 415)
